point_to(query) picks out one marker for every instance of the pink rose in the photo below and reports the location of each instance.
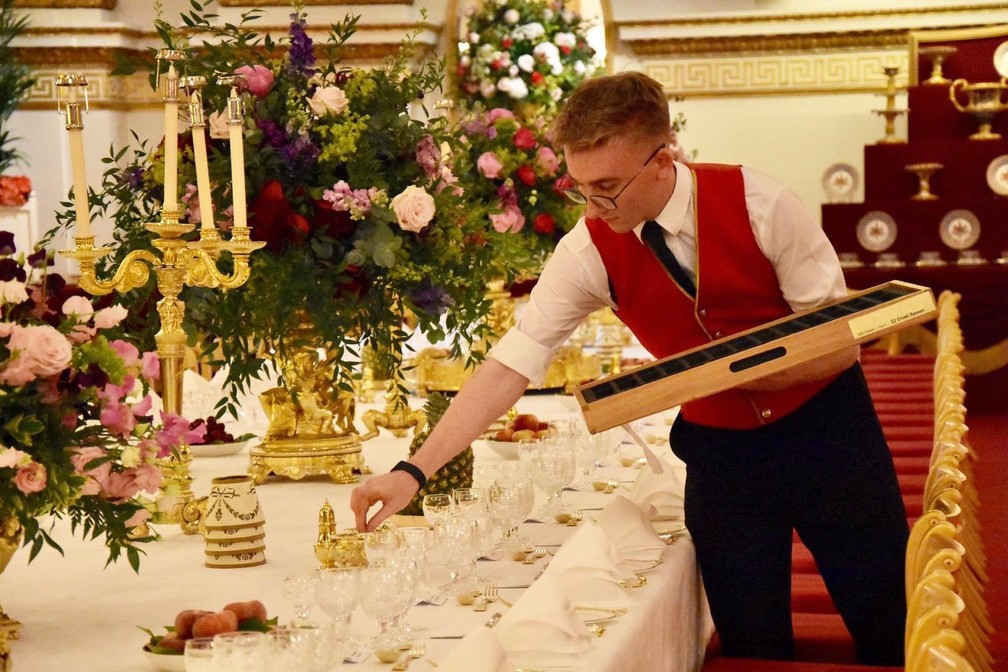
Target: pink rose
(106, 318)
(328, 100)
(31, 478)
(511, 220)
(414, 208)
(119, 485)
(499, 113)
(78, 307)
(547, 160)
(148, 477)
(258, 79)
(43, 349)
(17, 372)
(490, 165)
(82, 456)
(81, 333)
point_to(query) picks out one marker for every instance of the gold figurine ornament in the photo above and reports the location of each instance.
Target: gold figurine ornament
(179, 264)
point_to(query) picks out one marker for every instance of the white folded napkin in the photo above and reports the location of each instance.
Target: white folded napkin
(586, 566)
(629, 530)
(659, 493)
(479, 651)
(542, 629)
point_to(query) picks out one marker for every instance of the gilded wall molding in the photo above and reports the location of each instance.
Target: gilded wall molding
(104, 91)
(65, 4)
(768, 44)
(286, 3)
(794, 18)
(776, 74)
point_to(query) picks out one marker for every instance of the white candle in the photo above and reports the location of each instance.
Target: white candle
(203, 178)
(171, 143)
(237, 170)
(76, 135)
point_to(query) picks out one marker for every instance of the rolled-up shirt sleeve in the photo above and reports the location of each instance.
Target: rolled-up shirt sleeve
(572, 285)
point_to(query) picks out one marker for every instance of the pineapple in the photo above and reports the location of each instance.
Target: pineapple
(458, 473)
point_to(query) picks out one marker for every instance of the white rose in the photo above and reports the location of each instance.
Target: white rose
(565, 40)
(567, 16)
(218, 126)
(513, 71)
(504, 84)
(487, 89)
(12, 291)
(546, 51)
(556, 67)
(511, 16)
(579, 67)
(534, 30)
(474, 38)
(518, 89)
(78, 307)
(526, 62)
(414, 208)
(328, 100)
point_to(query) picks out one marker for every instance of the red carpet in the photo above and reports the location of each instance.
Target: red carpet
(901, 387)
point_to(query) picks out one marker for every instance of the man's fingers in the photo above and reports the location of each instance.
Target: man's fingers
(378, 518)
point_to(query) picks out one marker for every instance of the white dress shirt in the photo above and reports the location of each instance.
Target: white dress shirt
(574, 282)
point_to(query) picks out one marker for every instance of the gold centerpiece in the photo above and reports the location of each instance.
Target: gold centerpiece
(178, 263)
(983, 101)
(311, 430)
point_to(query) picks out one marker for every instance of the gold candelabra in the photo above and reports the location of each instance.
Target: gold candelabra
(177, 264)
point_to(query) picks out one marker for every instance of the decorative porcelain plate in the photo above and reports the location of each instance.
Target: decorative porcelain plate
(997, 175)
(876, 231)
(1001, 59)
(840, 181)
(959, 229)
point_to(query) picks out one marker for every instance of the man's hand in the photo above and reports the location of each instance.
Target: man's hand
(394, 490)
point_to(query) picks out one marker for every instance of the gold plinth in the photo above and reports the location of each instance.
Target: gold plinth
(338, 457)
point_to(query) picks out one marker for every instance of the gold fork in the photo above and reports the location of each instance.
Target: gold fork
(415, 651)
(537, 552)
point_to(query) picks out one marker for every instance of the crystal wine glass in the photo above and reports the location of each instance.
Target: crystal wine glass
(437, 508)
(299, 590)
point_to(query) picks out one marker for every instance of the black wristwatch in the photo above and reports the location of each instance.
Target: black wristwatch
(413, 471)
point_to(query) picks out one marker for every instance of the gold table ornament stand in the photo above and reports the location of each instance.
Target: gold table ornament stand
(181, 263)
(924, 171)
(938, 54)
(890, 113)
(983, 101)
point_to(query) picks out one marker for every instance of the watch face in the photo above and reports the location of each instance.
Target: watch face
(997, 175)
(840, 181)
(876, 231)
(960, 229)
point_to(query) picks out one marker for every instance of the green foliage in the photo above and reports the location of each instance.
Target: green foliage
(15, 80)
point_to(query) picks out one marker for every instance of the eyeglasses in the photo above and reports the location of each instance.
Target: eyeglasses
(609, 202)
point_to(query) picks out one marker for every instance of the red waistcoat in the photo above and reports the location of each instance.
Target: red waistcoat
(737, 289)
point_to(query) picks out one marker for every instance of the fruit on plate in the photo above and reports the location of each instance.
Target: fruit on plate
(214, 624)
(523, 427)
(191, 623)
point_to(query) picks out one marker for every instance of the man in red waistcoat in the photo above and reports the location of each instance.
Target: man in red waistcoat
(686, 254)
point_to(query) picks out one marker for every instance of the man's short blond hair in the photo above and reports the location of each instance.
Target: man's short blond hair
(626, 104)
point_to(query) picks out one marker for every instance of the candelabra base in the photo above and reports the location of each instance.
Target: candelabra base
(338, 457)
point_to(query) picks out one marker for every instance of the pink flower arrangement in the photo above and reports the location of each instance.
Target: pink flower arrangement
(77, 437)
(518, 171)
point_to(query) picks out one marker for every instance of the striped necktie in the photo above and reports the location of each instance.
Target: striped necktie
(653, 237)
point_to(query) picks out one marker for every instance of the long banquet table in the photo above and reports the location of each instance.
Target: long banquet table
(79, 615)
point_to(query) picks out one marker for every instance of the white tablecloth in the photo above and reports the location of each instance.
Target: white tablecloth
(79, 615)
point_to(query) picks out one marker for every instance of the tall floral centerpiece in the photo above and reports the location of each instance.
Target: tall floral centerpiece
(351, 185)
(78, 438)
